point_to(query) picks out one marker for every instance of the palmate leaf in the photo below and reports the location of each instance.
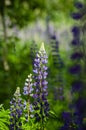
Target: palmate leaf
(4, 119)
(3, 126)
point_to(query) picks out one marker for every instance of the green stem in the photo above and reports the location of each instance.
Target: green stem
(42, 120)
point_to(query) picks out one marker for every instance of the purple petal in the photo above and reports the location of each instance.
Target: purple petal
(35, 71)
(45, 82)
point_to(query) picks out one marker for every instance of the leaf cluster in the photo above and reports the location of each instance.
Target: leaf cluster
(4, 118)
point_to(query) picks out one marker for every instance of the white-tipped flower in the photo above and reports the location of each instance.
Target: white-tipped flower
(28, 85)
(42, 48)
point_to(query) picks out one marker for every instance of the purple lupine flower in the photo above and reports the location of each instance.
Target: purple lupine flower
(80, 105)
(45, 68)
(78, 5)
(77, 86)
(76, 55)
(66, 116)
(77, 83)
(75, 69)
(31, 108)
(45, 73)
(75, 42)
(71, 121)
(44, 82)
(35, 95)
(28, 91)
(40, 85)
(16, 111)
(76, 31)
(44, 61)
(77, 16)
(35, 71)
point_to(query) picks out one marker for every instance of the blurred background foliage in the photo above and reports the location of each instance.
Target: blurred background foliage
(17, 53)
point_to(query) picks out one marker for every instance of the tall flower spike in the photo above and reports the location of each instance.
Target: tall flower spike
(28, 90)
(16, 111)
(58, 65)
(41, 104)
(76, 121)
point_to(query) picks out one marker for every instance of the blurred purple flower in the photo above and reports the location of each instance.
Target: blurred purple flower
(76, 55)
(75, 69)
(66, 116)
(76, 16)
(80, 105)
(77, 86)
(75, 41)
(76, 31)
(31, 108)
(79, 5)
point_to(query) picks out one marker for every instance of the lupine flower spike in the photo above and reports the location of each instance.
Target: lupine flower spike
(58, 65)
(41, 104)
(74, 121)
(28, 90)
(76, 118)
(16, 110)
